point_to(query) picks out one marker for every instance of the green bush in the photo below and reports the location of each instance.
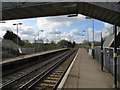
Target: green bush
(7, 55)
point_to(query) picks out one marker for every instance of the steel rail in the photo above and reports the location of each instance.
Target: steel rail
(58, 82)
(17, 79)
(37, 78)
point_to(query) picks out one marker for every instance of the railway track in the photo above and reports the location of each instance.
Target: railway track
(52, 80)
(27, 79)
(16, 76)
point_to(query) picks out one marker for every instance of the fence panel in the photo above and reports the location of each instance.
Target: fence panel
(118, 59)
(97, 53)
(108, 59)
(39, 48)
(119, 68)
(111, 66)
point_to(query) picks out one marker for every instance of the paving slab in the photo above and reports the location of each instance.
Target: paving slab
(86, 73)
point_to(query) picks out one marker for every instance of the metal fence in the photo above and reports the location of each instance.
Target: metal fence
(39, 49)
(119, 68)
(11, 49)
(97, 53)
(108, 59)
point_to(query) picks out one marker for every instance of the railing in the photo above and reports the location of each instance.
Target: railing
(108, 59)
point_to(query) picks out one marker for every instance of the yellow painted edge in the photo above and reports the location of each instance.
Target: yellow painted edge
(101, 50)
(115, 54)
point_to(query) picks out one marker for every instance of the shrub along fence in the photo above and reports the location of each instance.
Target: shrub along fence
(108, 59)
(9, 49)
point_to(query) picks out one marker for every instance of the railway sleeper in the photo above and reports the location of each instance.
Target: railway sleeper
(44, 87)
(54, 78)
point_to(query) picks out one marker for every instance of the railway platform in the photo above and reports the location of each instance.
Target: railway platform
(13, 64)
(86, 73)
(29, 55)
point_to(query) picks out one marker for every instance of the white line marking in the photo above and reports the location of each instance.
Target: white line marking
(66, 74)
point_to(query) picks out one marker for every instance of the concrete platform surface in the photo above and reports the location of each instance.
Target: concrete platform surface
(86, 73)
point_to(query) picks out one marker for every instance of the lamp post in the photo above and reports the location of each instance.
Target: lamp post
(34, 41)
(87, 38)
(57, 36)
(42, 31)
(35, 44)
(87, 34)
(38, 34)
(83, 39)
(38, 41)
(17, 31)
(93, 35)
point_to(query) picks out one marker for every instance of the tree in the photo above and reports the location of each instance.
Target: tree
(26, 43)
(62, 43)
(12, 36)
(52, 43)
(73, 45)
(96, 43)
(65, 43)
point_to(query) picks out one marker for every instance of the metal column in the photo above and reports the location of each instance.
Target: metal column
(93, 39)
(102, 62)
(115, 56)
(17, 35)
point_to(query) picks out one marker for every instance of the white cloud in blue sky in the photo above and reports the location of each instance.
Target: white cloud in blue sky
(107, 25)
(75, 32)
(56, 28)
(53, 32)
(53, 22)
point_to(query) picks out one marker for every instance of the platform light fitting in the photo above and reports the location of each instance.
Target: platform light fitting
(73, 15)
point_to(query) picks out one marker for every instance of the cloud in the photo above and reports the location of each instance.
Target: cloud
(48, 24)
(28, 33)
(25, 32)
(56, 35)
(53, 32)
(97, 34)
(107, 25)
(107, 32)
(53, 22)
(26, 37)
(75, 32)
(73, 35)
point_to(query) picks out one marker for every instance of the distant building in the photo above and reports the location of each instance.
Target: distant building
(39, 41)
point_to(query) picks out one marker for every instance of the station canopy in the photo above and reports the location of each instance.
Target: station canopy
(105, 11)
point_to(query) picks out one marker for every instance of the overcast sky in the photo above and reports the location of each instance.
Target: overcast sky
(57, 28)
